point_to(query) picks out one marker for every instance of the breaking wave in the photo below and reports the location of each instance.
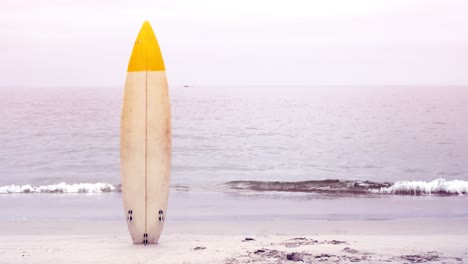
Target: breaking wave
(60, 188)
(435, 187)
(439, 186)
(326, 187)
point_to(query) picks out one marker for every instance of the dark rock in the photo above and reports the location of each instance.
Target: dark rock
(323, 256)
(248, 239)
(259, 251)
(336, 242)
(354, 259)
(199, 248)
(294, 257)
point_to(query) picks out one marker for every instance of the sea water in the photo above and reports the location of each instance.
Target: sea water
(375, 139)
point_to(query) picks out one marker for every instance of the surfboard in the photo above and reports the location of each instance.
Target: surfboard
(145, 140)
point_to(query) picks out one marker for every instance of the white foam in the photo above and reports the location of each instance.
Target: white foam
(439, 186)
(59, 188)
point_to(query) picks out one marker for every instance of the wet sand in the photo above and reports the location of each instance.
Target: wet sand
(312, 241)
(213, 227)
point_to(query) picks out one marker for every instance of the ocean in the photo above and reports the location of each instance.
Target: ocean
(302, 143)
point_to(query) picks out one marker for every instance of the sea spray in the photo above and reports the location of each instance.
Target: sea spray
(439, 186)
(59, 188)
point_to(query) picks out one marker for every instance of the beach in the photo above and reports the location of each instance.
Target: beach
(318, 241)
(232, 228)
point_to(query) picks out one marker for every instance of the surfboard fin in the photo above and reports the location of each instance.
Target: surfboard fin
(161, 215)
(130, 215)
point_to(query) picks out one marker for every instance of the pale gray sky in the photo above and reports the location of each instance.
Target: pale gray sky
(212, 42)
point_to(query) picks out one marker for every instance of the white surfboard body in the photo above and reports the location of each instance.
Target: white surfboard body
(145, 140)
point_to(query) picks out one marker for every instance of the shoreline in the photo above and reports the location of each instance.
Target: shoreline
(228, 206)
(213, 227)
(395, 227)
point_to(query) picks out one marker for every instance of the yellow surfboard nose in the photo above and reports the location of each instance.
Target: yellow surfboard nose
(146, 55)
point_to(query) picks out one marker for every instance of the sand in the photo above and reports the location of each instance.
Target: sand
(315, 241)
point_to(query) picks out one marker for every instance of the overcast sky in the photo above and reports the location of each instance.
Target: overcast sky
(256, 42)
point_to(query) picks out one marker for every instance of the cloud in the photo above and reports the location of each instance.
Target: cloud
(238, 42)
